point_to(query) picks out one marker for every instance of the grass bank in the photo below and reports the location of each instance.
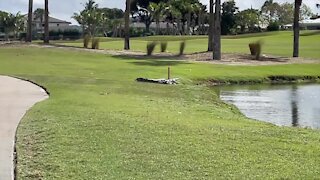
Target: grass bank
(275, 43)
(101, 124)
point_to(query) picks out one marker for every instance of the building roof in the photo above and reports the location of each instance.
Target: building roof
(51, 20)
(307, 22)
(311, 22)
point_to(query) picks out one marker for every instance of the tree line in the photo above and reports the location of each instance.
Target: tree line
(187, 16)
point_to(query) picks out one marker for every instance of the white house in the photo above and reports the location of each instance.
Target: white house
(54, 24)
(310, 24)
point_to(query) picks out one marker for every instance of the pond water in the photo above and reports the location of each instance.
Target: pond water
(283, 105)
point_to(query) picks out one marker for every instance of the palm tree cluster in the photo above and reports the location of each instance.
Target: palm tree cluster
(98, 21)
(39, 14)
(185, 16)
(91, 18)
(11, 24)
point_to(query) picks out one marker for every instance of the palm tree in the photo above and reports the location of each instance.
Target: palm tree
(296, 27)
(127, 26)
(30, 13)
(197, 10)
(189, 9)
(46, 22)
(210, 32)
(176, 16)
(157, 10)
(39, 14)
(217, 31)
(80, 19)
(91, 18)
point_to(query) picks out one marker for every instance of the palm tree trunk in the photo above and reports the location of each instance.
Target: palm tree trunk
(188, 23)
(127, 26)
(29, 28)
(46, 21)
(217, 31)
(158, 27)
(296, 28)
(210, 31)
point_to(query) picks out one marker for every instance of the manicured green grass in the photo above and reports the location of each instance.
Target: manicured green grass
(275, 43)
(101, 124)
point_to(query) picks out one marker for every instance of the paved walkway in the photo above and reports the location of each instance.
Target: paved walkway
(16, 97)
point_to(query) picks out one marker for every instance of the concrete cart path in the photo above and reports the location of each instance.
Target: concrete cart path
(16, 97)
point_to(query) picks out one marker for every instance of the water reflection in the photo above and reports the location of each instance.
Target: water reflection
(284, 105)
(294, 107)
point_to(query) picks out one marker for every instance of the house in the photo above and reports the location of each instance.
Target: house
(54, 24)
(309, 24)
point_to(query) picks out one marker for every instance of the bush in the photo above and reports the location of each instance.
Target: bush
(182, 47)
(95, 43)
(150, 47)
(65, 35)
(164, 46)
(22, 36)
(255, 49)
(86, 41)
(273, 26)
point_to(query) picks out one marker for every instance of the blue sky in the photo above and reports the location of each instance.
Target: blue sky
(64, 9)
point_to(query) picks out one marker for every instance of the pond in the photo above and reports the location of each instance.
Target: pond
(282, 105)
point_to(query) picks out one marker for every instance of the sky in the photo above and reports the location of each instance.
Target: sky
(64, 9)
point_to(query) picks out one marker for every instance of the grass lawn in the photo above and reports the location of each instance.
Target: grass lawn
(275, 43)
(101, 124)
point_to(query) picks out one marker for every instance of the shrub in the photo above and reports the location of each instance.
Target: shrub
(150, 47)
(273, 26)
(182, 47)
(95, 43)
(255, 49)
(164, 46)
(86, 41)
(66, 34)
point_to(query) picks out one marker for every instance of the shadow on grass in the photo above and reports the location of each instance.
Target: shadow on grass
(156, 60)
(140, 56)
(158, 63)
(312, 33)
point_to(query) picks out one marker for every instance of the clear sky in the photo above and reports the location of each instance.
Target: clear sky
(64, 9)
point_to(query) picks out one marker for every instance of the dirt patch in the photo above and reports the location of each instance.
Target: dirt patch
(203, 57)
(247, 59)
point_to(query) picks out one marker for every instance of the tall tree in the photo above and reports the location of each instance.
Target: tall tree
(217, 31)
(174, 16)
(211, 24)
(30, 14)
(286, 13)
(248, 18)
(269, 9)
(228, 18)
(157, 12)
(139, 8)
(296, 28)
(91, 18)
(11, 23)
(127, 26)
(46, 21)
(39, 15)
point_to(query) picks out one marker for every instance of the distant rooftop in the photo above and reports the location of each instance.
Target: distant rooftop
(51, 20)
